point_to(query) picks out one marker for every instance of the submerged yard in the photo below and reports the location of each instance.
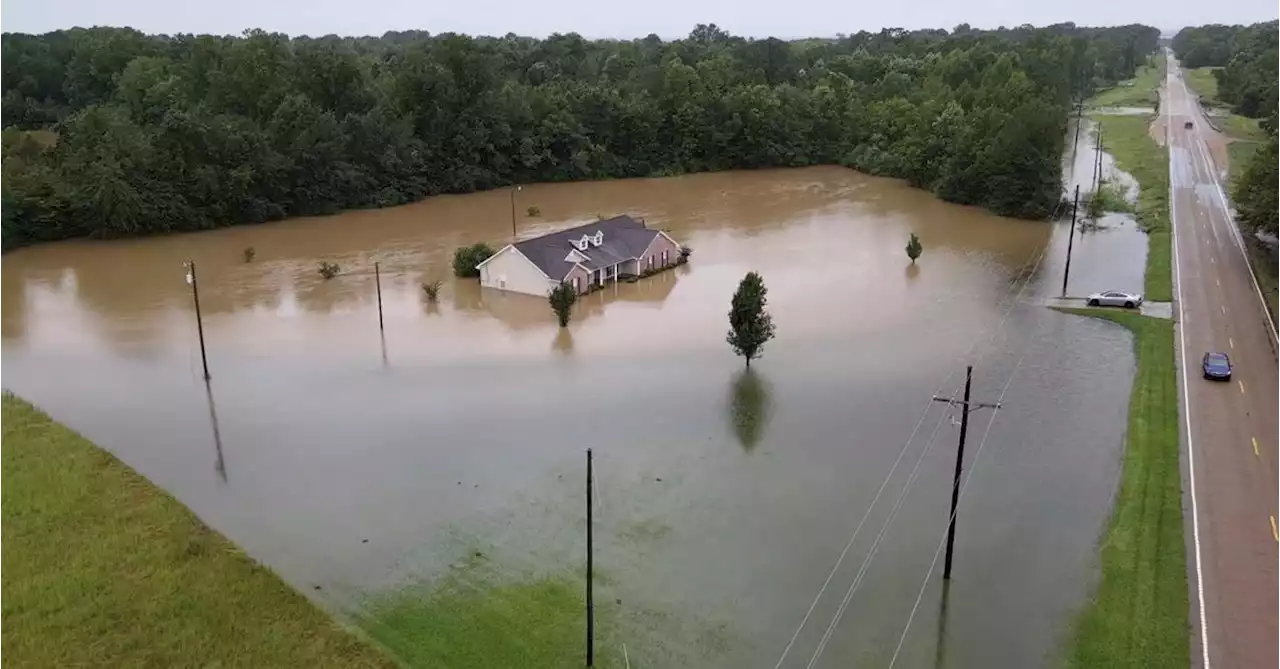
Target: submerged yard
(104, 569)
(1127, 139)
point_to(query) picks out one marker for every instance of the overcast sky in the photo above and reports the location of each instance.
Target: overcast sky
(668, 18)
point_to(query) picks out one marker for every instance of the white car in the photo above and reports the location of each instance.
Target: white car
(1115, 298)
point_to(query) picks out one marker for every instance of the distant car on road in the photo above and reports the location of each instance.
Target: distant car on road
(1115, 298)
(1188, 125)
(1217, 366)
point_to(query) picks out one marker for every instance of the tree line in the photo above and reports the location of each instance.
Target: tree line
(1248, 58)
(111, 132)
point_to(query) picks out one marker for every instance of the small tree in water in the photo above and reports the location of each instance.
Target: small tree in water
(562, 298)
(750, 326)
(249, 253)
(914, 248)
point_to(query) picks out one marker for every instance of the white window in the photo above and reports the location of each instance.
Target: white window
(599, 238)
(664, 257)
(576, 288)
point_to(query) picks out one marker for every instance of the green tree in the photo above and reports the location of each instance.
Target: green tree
(914, 249)
(750, 326)
(562, 298)
(466, 258)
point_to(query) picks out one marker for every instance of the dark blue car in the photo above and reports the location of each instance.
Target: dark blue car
(1217, 367)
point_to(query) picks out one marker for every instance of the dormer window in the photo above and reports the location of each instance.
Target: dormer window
(598, 239)
(581, 243)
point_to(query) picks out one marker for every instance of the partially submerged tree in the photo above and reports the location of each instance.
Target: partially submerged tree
(432, 289)
(750, 326)
(329, 270)
(914, 249)
(466, 258)
(249, 254)
(562, 298)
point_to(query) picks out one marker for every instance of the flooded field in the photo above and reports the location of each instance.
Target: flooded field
(356, 462)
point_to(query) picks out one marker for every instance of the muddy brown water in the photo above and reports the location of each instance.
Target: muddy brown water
(361, 462)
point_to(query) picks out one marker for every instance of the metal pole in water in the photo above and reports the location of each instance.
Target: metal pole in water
(377, 281)
(1071, 238)
(591, 614)
(195, 296)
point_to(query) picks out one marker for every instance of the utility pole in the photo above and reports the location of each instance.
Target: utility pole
(195, 296)
(377, 281)
(1097, 168)
(967, 407)
(514, 190)
(591, 608)
(1076, 142)
(1071, 238)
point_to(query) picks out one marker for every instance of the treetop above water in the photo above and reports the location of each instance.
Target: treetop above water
(174, 133)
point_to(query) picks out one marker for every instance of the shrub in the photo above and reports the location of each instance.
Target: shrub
(533, 211)
(562, 298)
(249, 253)
(432, 289)
(466, 258)
(685, 252)
(329, 270)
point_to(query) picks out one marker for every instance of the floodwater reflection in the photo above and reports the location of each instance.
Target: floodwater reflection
(220, 465)
(749, 408)
(563, 342)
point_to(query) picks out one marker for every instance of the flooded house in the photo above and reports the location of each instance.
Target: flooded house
(585, 257)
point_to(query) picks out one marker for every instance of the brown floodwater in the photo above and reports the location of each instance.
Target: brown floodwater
(360, 461)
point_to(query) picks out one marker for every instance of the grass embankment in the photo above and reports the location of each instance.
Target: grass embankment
(105, 569)
(1127, 140)
(1140, 91)
(1244, 132)
(1138, 615)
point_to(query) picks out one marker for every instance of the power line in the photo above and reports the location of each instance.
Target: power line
(902, 452)
(875, 546)
(1000, 326)
(973, 469)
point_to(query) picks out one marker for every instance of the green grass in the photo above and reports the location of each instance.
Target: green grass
(1202, 82)
(1126, 139)
(1265, 267)
(468, 624)
(1110, 197)
(1242, 128)
(1138, 615)
(1140, 91)
(1238, 155)
(104, 569)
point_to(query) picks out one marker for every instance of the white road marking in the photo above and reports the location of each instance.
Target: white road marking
(1186, 397)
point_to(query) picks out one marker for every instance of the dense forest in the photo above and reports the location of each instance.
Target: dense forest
(110, 132)
(1248, 58)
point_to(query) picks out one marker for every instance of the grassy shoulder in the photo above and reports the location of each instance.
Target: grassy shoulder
(105, 569)
(1138, 615)
(1140, 91)
(1202, 82)
(1127, 139)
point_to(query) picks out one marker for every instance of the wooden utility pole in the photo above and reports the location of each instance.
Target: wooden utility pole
(513, 212)
(195, 296)
(1071, 238)
(591, 608)
(377, 281)
(967, 407)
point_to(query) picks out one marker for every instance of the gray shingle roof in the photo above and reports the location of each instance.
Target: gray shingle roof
(624, 238)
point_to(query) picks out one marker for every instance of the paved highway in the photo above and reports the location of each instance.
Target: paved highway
(1229, 428)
